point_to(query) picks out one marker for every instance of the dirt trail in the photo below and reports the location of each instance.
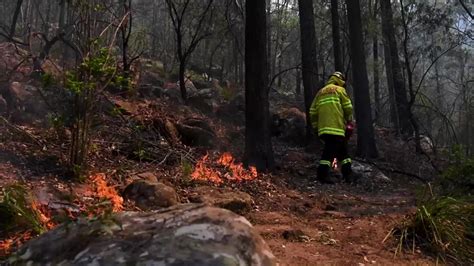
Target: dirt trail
(307, 223)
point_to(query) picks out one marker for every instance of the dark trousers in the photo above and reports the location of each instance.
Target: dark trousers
(334, 147)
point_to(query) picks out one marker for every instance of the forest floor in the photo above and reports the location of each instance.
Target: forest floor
(304, 222)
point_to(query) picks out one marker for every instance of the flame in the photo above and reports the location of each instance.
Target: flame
(203, 172)
(236, 171)
(105, 191)
(7, 245)
(43, 215)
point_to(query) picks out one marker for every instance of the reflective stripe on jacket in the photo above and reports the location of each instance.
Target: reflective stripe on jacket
(330, 110)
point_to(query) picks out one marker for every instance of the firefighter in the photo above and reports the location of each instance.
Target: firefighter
(331, 116)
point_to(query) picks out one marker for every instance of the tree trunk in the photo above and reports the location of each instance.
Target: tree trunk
(298, 83)
(400, 90)
(375, 51)
(365, 130)
(376, 78)
(15, 18)
(308, 58)
(391, 94)
(336, 36)
(258, 145)
(182, 81)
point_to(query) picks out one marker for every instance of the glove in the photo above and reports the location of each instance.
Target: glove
(349, 129)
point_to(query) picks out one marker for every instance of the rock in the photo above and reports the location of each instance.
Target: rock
(183, 235)
(233, 111)
(3, 105)
(151, 195)
(203, 103)
(196, 132)
(173, 94)
(147, 176)
(366, 171)
(236, 201)
(149, 77)
(289, 125)
(295, 235)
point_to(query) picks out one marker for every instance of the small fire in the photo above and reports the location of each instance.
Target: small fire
(7, 245)
(203, 172)
(43, 215)
(105, 191)
(237, 172)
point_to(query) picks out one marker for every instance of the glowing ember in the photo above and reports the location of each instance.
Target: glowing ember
(43, 215)
(237, 172)
(7, 245)
(105, 191)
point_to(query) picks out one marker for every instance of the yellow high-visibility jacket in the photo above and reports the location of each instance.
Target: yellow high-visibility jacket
(331, 109)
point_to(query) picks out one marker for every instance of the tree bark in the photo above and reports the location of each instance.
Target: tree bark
(391, 95)
(375, 51)
(336, 36)
(400, 91)
(365, 131)
(15, 19)
(258, 145)
(308, 58)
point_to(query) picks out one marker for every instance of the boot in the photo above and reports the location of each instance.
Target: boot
(323, 175)
(347, 174)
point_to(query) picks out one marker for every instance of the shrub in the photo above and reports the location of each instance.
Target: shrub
(17, 212)
(443, 224)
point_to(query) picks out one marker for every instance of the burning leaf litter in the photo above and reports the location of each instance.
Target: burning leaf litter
(107, 192)
(8, 244)
(235, 171)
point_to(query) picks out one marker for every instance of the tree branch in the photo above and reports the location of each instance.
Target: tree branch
(466, 8)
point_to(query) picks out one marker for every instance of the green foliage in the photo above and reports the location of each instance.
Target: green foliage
(458, 179)
(16, 210)
(47, 80)
(86, 83)
(443, 226)
(444, 221)
(187, 169)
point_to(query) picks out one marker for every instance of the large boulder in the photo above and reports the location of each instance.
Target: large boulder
(205, 100)
(182, 235)
(25, 102)
(196, 132)
(289, 125)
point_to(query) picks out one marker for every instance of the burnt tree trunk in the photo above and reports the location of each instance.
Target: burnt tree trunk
(258, 145)
(388, 66)
(375, 52)
(400, 91)
(308, 58)
(365, 130)
(15, 19)
(336, 36)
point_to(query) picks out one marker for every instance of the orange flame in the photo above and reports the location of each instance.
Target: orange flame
(105, 191)
(203, 172)
(237, 172)
(43, 215)
(7, 245)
